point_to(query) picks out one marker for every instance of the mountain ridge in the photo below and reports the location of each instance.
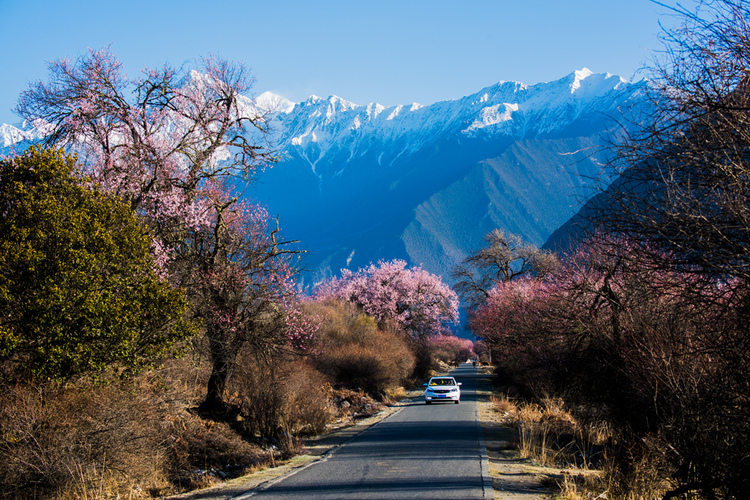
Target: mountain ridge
(363, 182)
(360, 183)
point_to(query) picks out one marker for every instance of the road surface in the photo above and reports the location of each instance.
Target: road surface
(421, 451)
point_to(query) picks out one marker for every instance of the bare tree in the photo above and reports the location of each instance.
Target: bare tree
(683, 195)
(503, 258)
(684, 186)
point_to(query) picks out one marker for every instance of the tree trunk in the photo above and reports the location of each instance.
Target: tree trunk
(221, 358)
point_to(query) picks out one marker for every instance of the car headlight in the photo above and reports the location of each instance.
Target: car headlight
(454, 390)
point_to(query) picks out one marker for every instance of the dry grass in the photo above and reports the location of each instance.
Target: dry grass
(539, 427)
(129, 439)
(596, 465)
(282, 399)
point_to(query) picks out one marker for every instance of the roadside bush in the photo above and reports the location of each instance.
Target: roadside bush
(281, 399)
(70, 440)
(356, 354)
(128, 438)
(660, 356)
(352, 404)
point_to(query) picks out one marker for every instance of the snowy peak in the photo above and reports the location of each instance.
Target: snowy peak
(360, 183)
(24, 132)
(319, 127)
(587, 81)
(578, 77)
(274, 103)
(334, 129)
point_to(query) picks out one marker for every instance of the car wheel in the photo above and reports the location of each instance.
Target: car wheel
(428, 402)
(457, 401)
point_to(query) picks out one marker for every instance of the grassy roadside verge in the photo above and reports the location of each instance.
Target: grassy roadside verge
(512, 476)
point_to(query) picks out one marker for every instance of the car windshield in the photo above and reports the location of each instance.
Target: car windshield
(442, 381)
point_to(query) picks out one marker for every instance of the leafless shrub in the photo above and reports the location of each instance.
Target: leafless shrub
(133, 437)
(78, 438)
(281, 399)
(356, 354)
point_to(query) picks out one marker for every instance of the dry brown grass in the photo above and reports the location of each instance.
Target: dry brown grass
(589, 453)
(548, 433)
(130, 438)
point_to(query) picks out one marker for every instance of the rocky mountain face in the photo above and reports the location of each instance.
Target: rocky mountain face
(357, 184)
(426, 183)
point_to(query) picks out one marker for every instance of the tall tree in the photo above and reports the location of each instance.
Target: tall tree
(504, 257)
(165, 141)
(179, 145)
(244, 290)
(684, 186)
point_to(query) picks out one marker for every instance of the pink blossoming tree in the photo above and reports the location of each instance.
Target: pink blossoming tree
(177, 145)
(418, 302)
(451, 349)
(655, 351)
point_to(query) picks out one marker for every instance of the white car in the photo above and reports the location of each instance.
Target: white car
(442, 389)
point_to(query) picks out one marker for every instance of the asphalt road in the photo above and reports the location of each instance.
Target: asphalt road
(421, 451)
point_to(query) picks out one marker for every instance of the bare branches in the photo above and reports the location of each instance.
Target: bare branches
(683, 201)
(685, 176)
(504, 257)
(180, 129)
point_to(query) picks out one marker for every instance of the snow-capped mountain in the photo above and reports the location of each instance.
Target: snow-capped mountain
(21, 135)
(321, 130)
(359, 183)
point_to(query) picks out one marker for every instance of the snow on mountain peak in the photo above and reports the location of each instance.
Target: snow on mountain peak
(374, 109)
(585, 79)
(580, 75)
(274, 103)
(25, 131)
(493, 115)
(335, 125)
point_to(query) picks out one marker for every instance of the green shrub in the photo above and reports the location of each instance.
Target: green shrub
(79, 289)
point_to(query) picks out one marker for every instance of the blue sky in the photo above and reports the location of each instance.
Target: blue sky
(386, 51)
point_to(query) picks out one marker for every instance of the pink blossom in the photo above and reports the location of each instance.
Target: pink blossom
(417, 301)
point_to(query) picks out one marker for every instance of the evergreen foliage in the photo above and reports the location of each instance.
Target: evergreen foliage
(79, 290)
